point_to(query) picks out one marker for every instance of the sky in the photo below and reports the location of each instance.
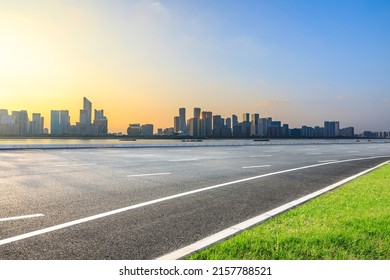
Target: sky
(300, 62)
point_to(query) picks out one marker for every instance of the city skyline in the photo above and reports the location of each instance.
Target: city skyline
(203, 124)
(298, 61)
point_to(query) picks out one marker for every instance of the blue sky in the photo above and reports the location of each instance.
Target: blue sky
(300, 62)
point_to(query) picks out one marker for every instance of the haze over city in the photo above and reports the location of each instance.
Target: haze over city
(301, 62)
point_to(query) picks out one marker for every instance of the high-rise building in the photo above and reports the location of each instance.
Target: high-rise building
(101, 122)
(193, 127)
(245, 117)
(349, 132)
(318, 132)
(217, 125)
(59, 122)
(147, 130)
(176, 124)
(87, 108)
(21, 119)
(236, 128)
(3, 112)
(254, 124)
(206, 124)
(229, 123)
(55, 122)
(263, 127)
(331, 128)
(83, 117)
(36, 125)
(64, 121)
(182, 121)
(7, 124)
(307, 131)
(197, 113)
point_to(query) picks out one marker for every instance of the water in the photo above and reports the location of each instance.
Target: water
(64, 142)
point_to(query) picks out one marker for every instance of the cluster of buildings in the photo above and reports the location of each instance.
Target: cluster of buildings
(60, 122)
(19, 124)
(204, 124)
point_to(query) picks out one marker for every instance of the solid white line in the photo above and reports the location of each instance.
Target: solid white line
(20, 217)
(256, 166)
(144, 175)
(328, 160)
(124, 209)
(234, 230)
(75, 164)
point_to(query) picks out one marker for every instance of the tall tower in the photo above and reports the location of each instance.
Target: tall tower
(87, 108)
(36, 124)
(182, 120)
(64, 121)
(55, 122)
(206, 124)
(197, 113)
(255, 124)
(176, 124)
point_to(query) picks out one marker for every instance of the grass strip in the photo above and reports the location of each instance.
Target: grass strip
(351, 222)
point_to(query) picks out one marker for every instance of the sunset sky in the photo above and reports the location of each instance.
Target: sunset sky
(300, 62)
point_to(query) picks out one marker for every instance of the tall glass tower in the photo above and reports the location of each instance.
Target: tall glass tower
(87, 108)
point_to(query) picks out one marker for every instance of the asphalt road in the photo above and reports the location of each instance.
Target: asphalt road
(141, 203)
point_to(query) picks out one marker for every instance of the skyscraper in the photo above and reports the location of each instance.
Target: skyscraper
(218, 123)
(87, 108)
(101, 122)
(206, 124)
(197, 113)
(255, 124)
(182, 120)
(36, 126)
(331, 128)
(59, 121)
(176, 124)
(64, 121)
(55, 122)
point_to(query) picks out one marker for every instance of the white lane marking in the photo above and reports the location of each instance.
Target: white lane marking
(75, 164)
(143, 204)
(328, 160)
(234, 230)
(21, 217)
(145, 175)
(314, 153)
(260, 156)
(257, 166)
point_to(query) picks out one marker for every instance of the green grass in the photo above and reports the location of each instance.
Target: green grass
(351, 222)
